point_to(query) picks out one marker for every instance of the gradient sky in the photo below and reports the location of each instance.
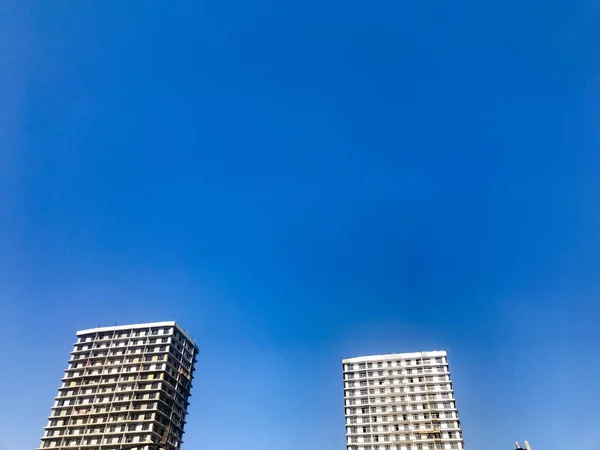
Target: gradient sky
(298, 182)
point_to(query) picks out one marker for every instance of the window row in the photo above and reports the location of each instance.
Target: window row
(397, 363)
(129, 428)
(428, 446)
(102, 384)
(385, 382)
(129, 417)
(406, 416)
(116, 361)
(100, 420)
(394, 418)
(394, 373)
(143, 367)
(405, 427)
(95, 441)
(100, 430)
(384, 400)
(123, 334)
(119, 390)
(107, 335)
(103, 351)
(115, 399)
(406, 437)
(101, 410)
(107, 399)
(373, 391)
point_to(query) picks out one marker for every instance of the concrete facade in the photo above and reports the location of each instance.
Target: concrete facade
(401, 401)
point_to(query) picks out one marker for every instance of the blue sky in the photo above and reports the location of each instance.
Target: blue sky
(298, 182)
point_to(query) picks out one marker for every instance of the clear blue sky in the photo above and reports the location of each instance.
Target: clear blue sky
(298, 182)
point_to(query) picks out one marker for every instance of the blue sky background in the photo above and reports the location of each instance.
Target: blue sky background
(298, 182)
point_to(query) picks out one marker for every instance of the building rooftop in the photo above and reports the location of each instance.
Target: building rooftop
(395, 355)
(138, 325)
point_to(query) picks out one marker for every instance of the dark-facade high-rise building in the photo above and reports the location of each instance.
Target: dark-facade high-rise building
(124, 385)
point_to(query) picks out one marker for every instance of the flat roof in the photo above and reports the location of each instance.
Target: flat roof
(431, 353)
(139, 325)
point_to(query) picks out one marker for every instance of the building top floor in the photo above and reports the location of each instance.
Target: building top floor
(395, 356)
(151, 325)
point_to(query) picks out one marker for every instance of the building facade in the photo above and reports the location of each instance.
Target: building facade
(400, 401)
(124, 385)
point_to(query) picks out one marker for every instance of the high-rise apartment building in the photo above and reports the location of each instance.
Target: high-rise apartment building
(124, 385)
(401, 401)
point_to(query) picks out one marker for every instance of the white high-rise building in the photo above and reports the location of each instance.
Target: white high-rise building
(401, 401)
(124, 385)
